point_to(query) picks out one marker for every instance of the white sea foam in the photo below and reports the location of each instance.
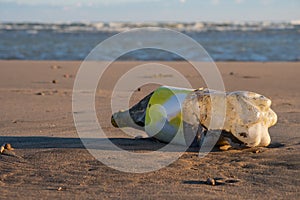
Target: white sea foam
(123, 26)
(239, 41)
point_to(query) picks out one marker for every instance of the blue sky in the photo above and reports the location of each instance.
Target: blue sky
(147, 10)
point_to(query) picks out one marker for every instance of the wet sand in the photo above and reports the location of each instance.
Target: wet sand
(49, 160)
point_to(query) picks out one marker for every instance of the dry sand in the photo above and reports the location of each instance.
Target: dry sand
(49, 159)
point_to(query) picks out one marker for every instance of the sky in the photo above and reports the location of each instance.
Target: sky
(148, 10)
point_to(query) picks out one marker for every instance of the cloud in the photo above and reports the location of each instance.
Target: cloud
(238, 1)
(215, 2)
(182, 1)
(266, 2)
(75, 2)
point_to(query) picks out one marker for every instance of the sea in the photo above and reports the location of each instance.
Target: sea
(226, 41)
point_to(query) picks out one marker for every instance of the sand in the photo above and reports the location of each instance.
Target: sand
(49, 160)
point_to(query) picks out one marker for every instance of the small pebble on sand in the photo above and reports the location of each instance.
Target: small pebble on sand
(61, 188)
(54, 81)
(40, 93)
(211, 181)
(225, 147)
(2, 149)
(55, 67)
(8, 146)
(256, 151)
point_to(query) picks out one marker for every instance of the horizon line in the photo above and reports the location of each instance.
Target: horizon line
(293, 21)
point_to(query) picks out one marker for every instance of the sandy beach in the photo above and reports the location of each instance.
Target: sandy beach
(49, 160)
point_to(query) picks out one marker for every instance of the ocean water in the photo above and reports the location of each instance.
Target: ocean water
(255, 41)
